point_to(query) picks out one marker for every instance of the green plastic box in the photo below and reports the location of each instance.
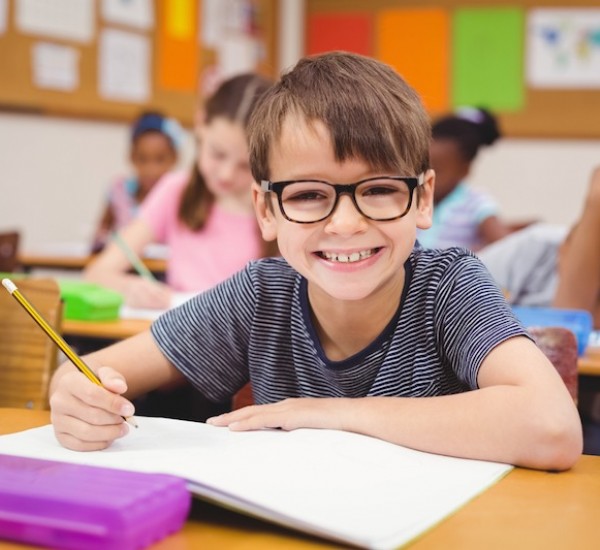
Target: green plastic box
(89, 302)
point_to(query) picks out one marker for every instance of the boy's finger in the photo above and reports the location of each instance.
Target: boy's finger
(112, 380)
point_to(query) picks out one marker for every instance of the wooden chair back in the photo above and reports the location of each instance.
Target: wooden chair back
(9, 245)
(28, 357)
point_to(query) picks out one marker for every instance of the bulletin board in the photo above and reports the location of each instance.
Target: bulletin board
(178, 61)
(538, 106)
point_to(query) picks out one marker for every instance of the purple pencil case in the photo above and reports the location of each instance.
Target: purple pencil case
(61, 505)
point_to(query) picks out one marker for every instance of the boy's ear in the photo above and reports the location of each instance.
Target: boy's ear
(264, 214)
(425, 202)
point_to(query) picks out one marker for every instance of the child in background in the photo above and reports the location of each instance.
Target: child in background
(463, 216)
(205, 218)
(548, 266)
(155, 143)
(355, 328)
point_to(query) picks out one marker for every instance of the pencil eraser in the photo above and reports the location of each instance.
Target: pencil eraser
(61, 505)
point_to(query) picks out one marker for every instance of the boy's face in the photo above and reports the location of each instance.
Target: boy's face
(377, 250)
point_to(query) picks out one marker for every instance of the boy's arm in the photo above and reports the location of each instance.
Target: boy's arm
(522, 414)
(89, 417)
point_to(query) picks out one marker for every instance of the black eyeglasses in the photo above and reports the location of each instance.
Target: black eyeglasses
(383, 198)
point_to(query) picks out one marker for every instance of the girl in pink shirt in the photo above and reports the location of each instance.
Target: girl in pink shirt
(205, 218)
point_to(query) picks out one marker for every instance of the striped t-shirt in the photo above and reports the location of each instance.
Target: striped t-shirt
(257, 326)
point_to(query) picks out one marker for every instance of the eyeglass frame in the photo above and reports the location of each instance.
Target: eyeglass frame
(277, 187)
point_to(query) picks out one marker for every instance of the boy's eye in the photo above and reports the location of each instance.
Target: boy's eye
(379, 190)
(306, 196)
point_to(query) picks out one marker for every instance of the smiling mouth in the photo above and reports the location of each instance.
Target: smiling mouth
(348, 258)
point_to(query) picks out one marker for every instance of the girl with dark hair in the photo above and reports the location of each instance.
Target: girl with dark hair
(205, 218)
(155, 141)
(463, 216)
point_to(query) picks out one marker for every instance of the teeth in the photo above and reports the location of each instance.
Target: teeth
(347, 258)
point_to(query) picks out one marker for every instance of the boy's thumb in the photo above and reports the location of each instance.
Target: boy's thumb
(112, 380)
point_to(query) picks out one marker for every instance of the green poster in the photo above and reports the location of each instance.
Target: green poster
(488, 58)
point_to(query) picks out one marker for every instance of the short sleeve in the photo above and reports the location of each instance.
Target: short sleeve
(483, 207)
(471, 318)
(207, 338)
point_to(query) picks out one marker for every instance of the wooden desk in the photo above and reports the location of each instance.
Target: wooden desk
(526, 509)
(108, 330)
(31, 261)
(589, 364)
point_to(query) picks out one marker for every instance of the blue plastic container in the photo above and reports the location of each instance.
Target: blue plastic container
(578, 321)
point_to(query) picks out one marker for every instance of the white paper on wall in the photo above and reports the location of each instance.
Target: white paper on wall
(3, 15)
(238, 53)
(563, 48)
(213, 18)
(221, 17)
(55, 67)
(135, 13)
(124, 66)
(64, 19)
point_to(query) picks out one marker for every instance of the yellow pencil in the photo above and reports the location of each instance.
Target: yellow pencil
(133, 258)
(55, 337)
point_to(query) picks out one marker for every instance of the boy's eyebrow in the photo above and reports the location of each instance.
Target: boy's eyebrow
(374, 174)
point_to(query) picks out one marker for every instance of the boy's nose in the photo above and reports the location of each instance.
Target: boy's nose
(346, 218)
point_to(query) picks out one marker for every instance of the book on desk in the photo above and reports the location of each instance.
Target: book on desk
(341, 486)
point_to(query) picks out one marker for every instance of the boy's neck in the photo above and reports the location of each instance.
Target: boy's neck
(347, 327)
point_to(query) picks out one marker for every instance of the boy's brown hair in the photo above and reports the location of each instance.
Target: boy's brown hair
(369, 110)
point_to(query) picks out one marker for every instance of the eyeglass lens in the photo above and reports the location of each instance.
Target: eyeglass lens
(380, 199)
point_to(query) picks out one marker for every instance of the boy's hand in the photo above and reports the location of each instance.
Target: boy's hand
(289, 414)
(88, 417)
(143, 293)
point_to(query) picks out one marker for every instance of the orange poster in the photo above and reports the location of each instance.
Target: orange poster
(177, 55)
(416, 43)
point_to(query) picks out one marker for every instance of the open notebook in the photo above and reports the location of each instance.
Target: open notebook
(342, 486)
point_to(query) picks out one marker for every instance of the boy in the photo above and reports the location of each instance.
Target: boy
(355, 328)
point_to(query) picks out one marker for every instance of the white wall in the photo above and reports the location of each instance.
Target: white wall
(54, 173)
(540, 179)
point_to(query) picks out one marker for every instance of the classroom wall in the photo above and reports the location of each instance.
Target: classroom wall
(55, 171)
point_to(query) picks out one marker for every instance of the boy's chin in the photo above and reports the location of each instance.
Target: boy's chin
(344, 292)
